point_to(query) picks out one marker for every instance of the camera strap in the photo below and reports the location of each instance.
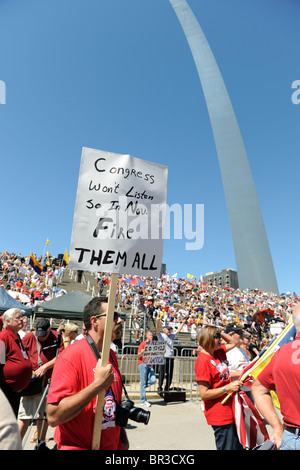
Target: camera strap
(93, 347)
(97, 354)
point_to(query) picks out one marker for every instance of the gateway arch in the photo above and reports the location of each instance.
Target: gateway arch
(252, 252)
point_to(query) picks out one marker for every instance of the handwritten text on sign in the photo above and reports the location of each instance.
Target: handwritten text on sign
(119, 214)
(154, 352)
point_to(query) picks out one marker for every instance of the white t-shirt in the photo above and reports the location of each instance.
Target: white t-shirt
(168, 342)
(237, 360)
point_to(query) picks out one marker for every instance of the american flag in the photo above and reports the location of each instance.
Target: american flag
(253, 369)
(250, 426)
(260, 362)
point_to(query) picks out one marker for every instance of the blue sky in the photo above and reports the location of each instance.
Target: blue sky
(117, 75)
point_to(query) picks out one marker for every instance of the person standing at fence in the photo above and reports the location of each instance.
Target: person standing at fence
(147, 374)
(214, 382)
(167, 368)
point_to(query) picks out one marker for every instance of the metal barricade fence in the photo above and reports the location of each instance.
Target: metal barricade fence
(183, 372)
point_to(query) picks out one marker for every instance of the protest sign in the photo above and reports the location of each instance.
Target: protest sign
(119, 214)
(118, 228)
(154, 352)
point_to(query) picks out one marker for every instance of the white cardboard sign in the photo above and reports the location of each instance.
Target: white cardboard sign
(119, 214)
(154, 352)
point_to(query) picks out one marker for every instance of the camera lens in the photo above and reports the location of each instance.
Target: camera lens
(139, 415)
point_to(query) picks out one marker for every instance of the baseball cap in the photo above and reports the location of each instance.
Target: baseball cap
(42, 326)
(234, 328)
(167, 327)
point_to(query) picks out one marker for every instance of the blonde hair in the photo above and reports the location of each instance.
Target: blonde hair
(206, 337)
(61, 329)
(69, 327)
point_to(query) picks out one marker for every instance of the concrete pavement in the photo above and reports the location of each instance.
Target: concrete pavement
(172, 426)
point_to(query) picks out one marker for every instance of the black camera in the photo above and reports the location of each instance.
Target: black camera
(126, 410)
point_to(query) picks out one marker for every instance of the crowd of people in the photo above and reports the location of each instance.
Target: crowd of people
(169, 297)
(24, 284)
(174, 301)
(230, 325)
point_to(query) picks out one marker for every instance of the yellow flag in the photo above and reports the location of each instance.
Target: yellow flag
(190, 276)
(66, 257)
(47, 242)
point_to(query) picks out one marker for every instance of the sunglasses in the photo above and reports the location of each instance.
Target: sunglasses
(116, 316)
(217, 336)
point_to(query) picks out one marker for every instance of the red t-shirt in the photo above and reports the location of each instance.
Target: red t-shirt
(47, 351)
(214, 371)
(74, 370)
(282, 375)
(141, 346)
(17, 370)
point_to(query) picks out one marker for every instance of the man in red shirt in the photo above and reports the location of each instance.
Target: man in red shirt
(282, 375)
(77, 379)
(147, 374)
(15, 366)
(42, 349)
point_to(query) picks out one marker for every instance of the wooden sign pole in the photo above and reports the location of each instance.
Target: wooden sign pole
(105, 358)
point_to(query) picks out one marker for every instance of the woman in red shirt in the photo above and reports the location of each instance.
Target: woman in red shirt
(214, 381)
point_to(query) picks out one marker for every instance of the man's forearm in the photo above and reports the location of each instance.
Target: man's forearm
(264, 403)
(70, 407)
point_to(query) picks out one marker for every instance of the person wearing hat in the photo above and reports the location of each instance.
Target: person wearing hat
(237, 357)
(166, 369)
(42, 348)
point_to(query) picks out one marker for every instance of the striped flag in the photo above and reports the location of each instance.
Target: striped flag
(251, 372)
(257, 365)
(250, 426)
(35, 264)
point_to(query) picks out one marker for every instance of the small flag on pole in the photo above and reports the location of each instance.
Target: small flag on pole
(47, 242)
(66, 257)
